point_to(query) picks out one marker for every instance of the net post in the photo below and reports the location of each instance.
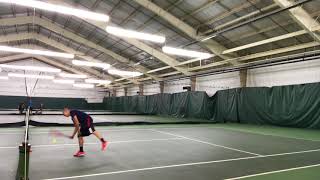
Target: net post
(23, 166)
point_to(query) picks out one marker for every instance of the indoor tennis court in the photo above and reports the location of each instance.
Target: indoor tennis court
(173, 151)
(160, 89)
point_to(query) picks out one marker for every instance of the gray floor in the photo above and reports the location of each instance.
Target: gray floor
(151, 152)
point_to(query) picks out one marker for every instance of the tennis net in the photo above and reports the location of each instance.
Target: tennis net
(24, 152)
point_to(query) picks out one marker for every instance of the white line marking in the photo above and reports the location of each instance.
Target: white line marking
(274, 172)
(208, 143)
(111, 142)
(265, 134)
(181, 165)
(47, 132)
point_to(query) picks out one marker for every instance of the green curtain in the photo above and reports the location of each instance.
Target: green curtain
(290, 106)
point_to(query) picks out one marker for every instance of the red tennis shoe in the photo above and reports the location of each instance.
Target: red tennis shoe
(79, 154)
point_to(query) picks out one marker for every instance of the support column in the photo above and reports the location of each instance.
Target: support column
(114, 92)
(162, 87)
(193, 83)
(141, 93)
(125, 91)
(243, 77)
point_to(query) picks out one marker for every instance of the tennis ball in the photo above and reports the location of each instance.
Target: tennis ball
(54, 140)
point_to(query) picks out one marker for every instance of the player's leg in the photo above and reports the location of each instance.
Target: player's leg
(81, 142)
(81, 152)
(104, 143)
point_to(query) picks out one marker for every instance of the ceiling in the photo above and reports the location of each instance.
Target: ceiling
(244, 31)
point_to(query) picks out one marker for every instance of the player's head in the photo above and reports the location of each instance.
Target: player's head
(66, 111)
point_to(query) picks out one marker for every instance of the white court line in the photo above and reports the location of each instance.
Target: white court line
(274, 172)
(181, 165)
(48, 131)
(208, 143)
(265, 134)
(111, 142)
(18, 132)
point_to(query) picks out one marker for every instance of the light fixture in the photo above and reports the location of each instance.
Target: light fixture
(4, 77)
(31, 68)
(63, 81)
(37, 52)
(97, 81)
(124, 73)
(60, 9)
(73, 76)
(91, 64)
(32, 76)
(134, 34)
(208, 37)
(183, 52)
(86, 86)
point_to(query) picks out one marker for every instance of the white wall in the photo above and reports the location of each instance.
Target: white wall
(213, 83)
(151, 89)
(132, 91)
(120, 92)
(45, 88)
(287, 74)
(176, 86)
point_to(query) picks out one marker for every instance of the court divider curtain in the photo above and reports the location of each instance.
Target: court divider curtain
(290, 106)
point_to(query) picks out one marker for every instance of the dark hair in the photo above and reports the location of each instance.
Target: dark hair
(66, 107)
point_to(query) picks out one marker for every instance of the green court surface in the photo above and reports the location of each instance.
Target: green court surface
(205, 152)
(306, 173)
(307, 134)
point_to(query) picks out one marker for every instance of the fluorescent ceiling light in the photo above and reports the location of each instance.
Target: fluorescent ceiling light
(183, 52)
(134, 34)
(30, 76)
(124, 73)
(74, 76)
(97, 81)
(60, 9)
(37, 52)
(87, 86)
(63, 81)
(31, 68)
(208, 37)
(4, 77)
(91, 64)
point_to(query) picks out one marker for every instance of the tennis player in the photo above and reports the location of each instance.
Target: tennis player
(83, 126)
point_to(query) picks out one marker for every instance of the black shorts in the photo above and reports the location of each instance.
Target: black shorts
(86, 128)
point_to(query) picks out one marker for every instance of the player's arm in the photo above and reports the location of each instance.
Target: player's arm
(76, 126)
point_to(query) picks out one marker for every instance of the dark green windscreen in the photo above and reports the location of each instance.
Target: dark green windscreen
(291, 106)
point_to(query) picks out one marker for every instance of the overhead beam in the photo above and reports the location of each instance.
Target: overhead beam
(74, 37)
(92, 72)
(229, 12)
(46, 60)
(143, 46)
(201, 8)
(7, 59)
(259, 55)
(212, 45)
(247, 16)
(270, 40)
(52, 43)
(300, 16)
(269, 28)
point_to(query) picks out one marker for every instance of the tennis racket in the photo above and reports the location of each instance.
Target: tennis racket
(58, 133)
